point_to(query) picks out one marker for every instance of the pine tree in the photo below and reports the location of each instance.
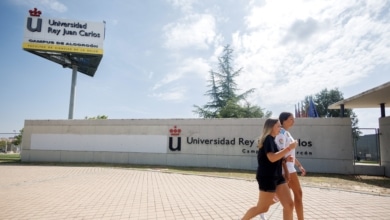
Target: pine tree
(225, 102)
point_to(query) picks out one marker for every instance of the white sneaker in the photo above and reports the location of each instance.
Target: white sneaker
(262, 216)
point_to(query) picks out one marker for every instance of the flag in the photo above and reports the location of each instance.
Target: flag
(304, 111)
(312, 113)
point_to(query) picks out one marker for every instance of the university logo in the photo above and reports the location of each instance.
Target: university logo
(38, 27)
(175, 132)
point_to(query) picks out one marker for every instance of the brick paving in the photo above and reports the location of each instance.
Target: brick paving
(67, 192)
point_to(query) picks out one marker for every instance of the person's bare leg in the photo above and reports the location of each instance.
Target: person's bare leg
(263, 204)
(298, 195)
(284, 195)
(274, 200)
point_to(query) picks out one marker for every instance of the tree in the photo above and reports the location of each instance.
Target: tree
(97, 117)
(225, 102)
(18, 138)
(327, 97)
(3, 145)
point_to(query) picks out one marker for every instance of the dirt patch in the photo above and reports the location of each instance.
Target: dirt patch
(361, 183)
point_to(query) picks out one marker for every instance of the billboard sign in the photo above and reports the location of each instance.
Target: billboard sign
(67, 42)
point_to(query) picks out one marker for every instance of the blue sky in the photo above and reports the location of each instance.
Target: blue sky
(158, 54)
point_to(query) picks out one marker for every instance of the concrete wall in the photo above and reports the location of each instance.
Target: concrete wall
(325, 144)
(384, 140)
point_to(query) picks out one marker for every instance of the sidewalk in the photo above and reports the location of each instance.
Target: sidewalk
(55, 192)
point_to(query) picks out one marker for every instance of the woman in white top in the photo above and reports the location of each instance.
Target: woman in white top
(283, 139)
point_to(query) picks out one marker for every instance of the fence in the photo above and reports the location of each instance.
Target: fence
(367, 147)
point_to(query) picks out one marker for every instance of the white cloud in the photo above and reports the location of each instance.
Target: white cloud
(289, 54)
(172, 94)
(167, 89)
(288, 49)
(189, 66)
(183, 5)
(170, 77)
(195, 31)
(150, 76)
(42, 5)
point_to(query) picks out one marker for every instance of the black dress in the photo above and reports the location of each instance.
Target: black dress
(268, 174)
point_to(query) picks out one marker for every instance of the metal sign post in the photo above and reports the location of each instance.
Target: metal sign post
(72, 91)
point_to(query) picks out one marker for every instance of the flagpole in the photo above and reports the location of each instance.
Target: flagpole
(299, 111)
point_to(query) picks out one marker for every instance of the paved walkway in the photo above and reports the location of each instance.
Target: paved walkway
(54, 192)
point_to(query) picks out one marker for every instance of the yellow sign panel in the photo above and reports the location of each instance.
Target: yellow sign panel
(62, 48)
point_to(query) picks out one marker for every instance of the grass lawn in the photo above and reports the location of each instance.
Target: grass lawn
(9, 158)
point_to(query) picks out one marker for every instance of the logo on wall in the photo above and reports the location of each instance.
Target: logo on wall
(34, 13)
(175, 132)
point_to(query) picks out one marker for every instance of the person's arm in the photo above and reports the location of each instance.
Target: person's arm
(273, 157)
(300, 167)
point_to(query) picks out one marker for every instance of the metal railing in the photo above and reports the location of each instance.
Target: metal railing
(367, 147)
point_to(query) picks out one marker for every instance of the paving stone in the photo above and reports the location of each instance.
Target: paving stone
(71, 192)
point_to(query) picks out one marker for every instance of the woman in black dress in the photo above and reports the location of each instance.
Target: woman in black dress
(269, 173)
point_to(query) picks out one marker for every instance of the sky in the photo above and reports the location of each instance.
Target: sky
(158, 55)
